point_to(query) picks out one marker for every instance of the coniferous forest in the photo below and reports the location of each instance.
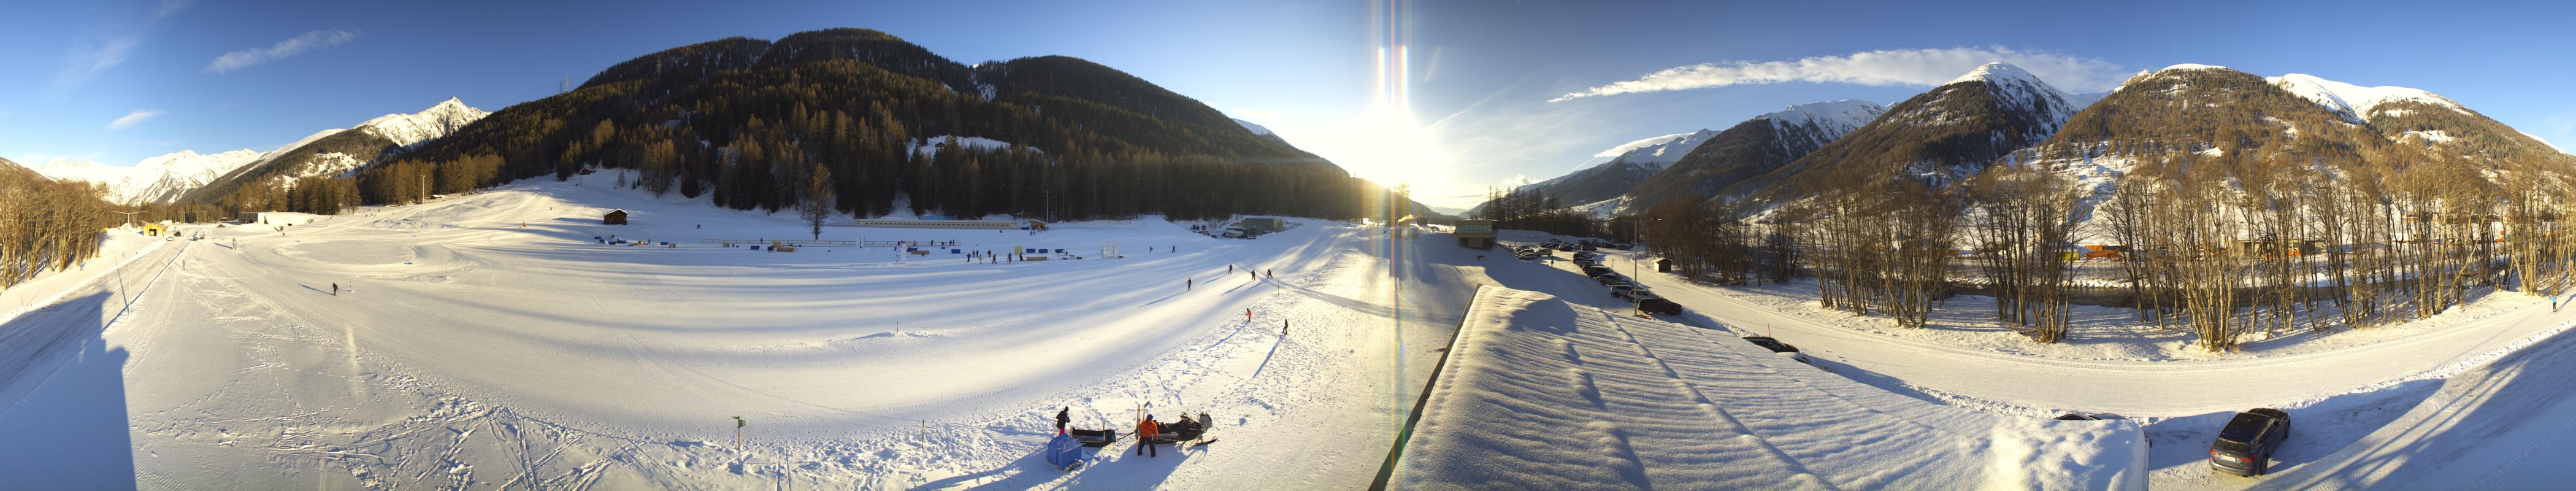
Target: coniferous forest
(744, 122)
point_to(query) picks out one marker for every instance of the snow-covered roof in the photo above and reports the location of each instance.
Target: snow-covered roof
(1538, 393)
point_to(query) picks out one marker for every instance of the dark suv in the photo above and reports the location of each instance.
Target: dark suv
(1653, 305)
(2246, 446)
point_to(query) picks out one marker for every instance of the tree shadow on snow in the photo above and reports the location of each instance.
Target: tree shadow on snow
(2316, 431)
(2482, 410)
(65, 415)
(1104, 468)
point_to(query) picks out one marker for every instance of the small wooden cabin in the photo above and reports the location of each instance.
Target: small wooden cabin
(614, 217)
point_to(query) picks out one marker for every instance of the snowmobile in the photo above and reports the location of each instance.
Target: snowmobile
(1185, 430)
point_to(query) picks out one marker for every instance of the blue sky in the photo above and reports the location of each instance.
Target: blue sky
(119, 81)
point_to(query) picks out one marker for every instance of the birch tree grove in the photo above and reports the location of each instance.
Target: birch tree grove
(47, 225)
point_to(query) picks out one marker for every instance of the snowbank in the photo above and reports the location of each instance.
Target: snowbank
(1542, 394)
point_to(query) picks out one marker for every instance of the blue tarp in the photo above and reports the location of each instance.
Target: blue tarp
(1063, 451)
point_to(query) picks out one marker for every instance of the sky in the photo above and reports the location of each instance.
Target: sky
(1448, 97)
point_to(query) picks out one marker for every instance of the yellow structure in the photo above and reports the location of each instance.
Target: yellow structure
(155, 229)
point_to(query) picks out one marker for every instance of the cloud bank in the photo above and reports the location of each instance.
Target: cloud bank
(283, 49)
(1923, 67)
(133, 118)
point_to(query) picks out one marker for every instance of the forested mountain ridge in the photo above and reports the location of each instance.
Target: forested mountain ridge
(1934, 138)
(753, 122)
(1626, 169)
(1752, 148)
(2199, 125)
(329, 154)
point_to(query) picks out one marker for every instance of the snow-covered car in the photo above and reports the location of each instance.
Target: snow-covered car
(1783, 349)
(1659, 306)
(2250, 440)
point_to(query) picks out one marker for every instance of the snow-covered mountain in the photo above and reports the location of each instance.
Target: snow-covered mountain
(2159, 124)
(1629, 164)
(154, 180)
(335, 152)
(1939, 137)
(1254, 128)
(1263, 132)
(437, 121)
(2354, 102)
(1751, 148)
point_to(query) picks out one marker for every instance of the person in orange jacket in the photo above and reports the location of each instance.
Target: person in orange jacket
(1145, 431)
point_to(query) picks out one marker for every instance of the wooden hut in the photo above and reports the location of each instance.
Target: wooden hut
(614, 217)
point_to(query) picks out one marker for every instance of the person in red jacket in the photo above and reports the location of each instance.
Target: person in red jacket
(1145, 431)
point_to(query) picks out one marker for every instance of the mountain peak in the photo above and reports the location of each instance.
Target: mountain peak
(2353, 101)
(1993, 72)
(2192, 66)
(439, 120)
(1655, 152)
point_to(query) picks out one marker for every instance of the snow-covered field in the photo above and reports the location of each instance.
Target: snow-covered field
(486, 341)
(2464, 399)
(1542, 394)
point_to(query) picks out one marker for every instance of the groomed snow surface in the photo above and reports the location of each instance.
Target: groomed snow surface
(1542, 394)
(486, 341)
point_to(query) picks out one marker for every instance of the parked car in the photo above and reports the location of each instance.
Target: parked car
(1784, 349)
(1659, 305)
(1611, 279)
(2248, 443)
(1625, 291)
(1596, 271)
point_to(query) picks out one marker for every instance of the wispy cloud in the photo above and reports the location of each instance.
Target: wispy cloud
(1884, 67)
(89, 61)
(283, 49)
(133, 118)
(169, 8)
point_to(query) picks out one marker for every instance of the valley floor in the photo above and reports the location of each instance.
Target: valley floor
(2410, 405)
(489, 341)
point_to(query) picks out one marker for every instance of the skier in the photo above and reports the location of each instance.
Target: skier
(1062, 418)
(1229, 269)
(335, 291)
(1189, 284)
(1145, 431)
(1266, 272)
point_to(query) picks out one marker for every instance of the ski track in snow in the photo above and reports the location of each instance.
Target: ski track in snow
(486, 355)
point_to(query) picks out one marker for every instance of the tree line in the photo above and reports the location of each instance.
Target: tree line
(48, 225)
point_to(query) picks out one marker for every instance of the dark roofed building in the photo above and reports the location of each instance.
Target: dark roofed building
(614, 217)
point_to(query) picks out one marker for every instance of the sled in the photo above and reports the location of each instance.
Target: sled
(1095, 438)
